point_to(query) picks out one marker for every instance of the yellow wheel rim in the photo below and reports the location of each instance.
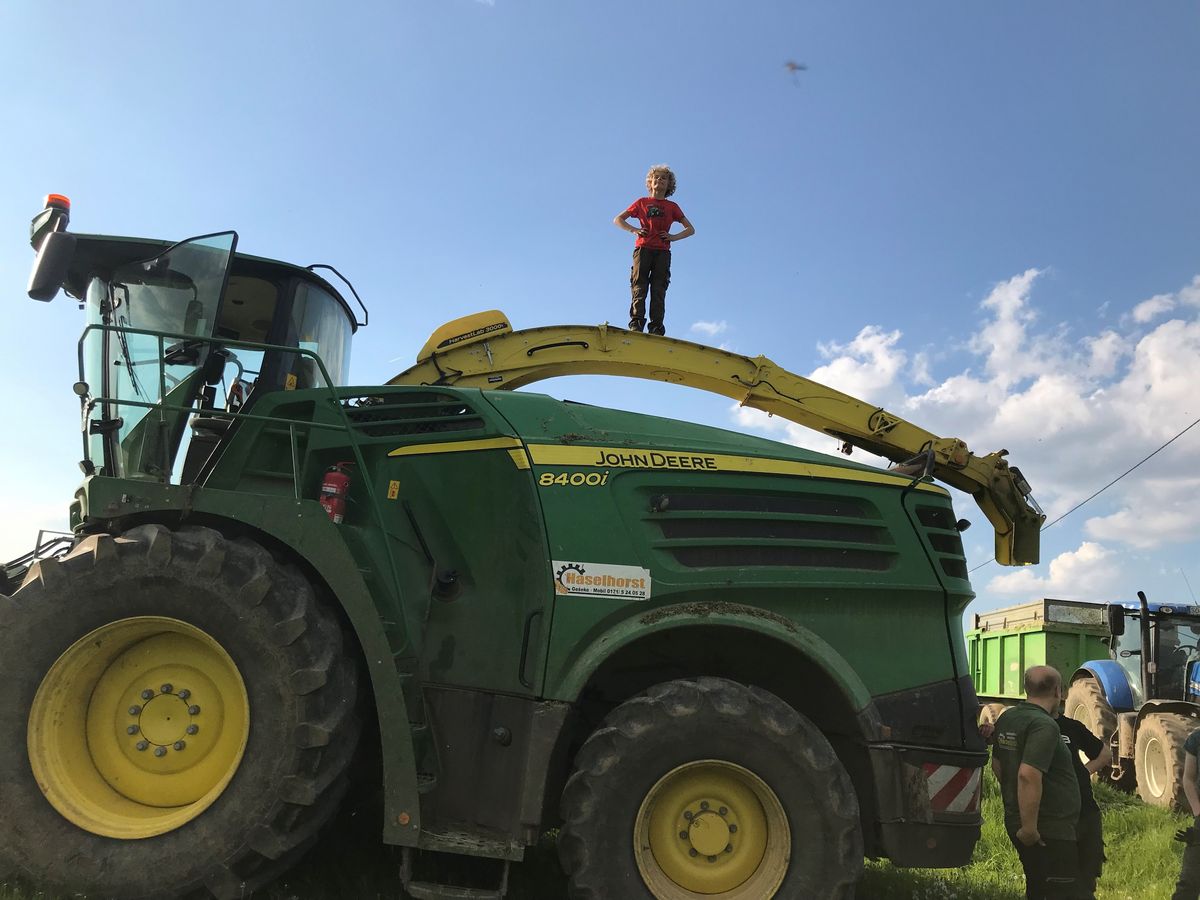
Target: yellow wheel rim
(712, 829)
(138, 727)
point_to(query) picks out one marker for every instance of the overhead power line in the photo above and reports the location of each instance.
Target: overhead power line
(1110, 484)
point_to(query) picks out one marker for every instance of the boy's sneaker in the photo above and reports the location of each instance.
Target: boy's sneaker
(657, 329)
(637, 324)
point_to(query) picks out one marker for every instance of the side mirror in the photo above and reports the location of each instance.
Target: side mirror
(50, 268)
(1116, 619)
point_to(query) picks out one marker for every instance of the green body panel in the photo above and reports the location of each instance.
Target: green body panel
(470, 516)
(725, 615)
(1006, 642)
(613, 524)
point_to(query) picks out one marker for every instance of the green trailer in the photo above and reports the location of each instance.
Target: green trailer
(1047, 632)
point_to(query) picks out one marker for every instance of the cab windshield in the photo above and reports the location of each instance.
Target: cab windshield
(177, 293)
(1178, 647)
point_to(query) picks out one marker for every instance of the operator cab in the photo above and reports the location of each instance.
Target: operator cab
(184, 334)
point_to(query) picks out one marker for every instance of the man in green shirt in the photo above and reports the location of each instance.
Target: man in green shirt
(1037, 783)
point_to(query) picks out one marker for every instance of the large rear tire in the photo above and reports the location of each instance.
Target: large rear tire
(1158, 759)
(1087, 703)
(703, 789)
(176, 717)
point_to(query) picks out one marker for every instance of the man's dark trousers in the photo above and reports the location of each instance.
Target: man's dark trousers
(1051, 868)
(1188, 886)
(651, 270)
(1089, 837)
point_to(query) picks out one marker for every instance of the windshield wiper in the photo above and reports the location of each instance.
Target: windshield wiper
(122, 323)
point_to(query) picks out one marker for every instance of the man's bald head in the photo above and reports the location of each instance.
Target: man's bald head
(1042, 682)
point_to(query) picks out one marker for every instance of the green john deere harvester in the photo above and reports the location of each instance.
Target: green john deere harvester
(719, 664)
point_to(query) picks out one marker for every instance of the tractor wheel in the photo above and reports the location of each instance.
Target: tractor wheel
(990, 712)
(176, 717)
(1158, 759)
(1087, 703)
(709, 789)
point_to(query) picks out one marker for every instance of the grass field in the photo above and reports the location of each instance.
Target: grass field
(1143, 863)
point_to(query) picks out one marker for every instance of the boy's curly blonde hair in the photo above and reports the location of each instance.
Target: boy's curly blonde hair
(666, 170)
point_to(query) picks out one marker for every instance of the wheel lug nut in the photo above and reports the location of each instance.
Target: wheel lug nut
(132, 729)
(193, 710)
(729, 848)
(704, 804)
(184, 694)
(688, 814)
(142, 745)
(147, 694)
(135, 710)
(166, 688)
(179, 745)
(723, 811)
(683, 835)
(693, 852)
(712, 859)
(160, 751)
(193, 729)
(732, 829)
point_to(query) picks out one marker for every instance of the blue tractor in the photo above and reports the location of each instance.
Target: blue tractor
(1145, 699)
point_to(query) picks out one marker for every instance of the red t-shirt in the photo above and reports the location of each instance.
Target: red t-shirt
(657, 217)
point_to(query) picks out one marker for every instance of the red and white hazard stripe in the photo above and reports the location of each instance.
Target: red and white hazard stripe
(952, 788)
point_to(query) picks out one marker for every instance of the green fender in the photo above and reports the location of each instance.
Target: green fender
(304, 528)
(729, 615)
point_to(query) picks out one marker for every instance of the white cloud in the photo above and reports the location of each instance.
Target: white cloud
(1153, 308)
(1081, 574)
(1157, 511)
(867, 367)
(1073, 410)
(712, 329)
(1190, 294)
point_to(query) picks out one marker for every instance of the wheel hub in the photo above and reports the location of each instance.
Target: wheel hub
(709, 835)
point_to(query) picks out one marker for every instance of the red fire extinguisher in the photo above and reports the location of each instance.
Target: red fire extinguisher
(334, 488)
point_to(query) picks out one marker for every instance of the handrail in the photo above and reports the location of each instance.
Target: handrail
(328, 388)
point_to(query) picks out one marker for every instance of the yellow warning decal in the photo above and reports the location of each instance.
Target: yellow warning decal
(637, 458)
(393, 490)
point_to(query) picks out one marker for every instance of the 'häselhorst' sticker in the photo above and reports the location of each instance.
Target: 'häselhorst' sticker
(599, 580)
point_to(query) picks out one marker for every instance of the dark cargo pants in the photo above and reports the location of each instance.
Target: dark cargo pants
(1089, 836)
(1188, 886)
(651, 270)
(1051, 868)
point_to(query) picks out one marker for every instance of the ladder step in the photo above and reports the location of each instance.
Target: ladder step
(429, 890)
(426, 890)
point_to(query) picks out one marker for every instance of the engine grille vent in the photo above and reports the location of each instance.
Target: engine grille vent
(416, 414)
(715, 530)
(943, 536)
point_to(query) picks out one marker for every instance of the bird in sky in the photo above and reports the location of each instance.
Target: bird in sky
(794, 68)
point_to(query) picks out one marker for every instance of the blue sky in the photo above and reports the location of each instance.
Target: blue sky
(982, 216)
